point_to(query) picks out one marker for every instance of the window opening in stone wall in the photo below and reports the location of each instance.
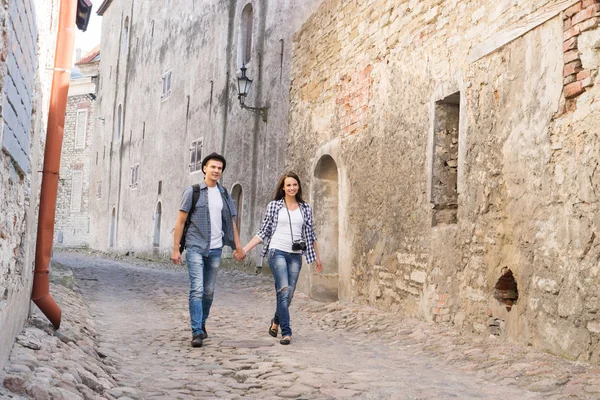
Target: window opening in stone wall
(238, 198)
(159, 187)
(81, 128)
(117, 135)
(166, 85)
(125, 37)
(245, 43)
(134, 176)
(444, 191)
(99, 189)
(144, 131)
(507, 292)
(152, 33)
(76, 190)
(196, 156)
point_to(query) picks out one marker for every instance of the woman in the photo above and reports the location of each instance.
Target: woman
(287, 233)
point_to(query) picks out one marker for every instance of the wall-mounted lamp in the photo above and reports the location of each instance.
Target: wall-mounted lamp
(244, 84)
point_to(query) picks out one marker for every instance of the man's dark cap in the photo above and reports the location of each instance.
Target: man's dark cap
(214, 156)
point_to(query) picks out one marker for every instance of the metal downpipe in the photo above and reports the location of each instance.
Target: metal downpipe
(56, 123)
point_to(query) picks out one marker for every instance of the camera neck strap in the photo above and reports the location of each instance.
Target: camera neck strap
(290, 219)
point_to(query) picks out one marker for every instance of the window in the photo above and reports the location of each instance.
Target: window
(166, 85)
(196, 156)
(81, 128)
(134, 176)
(76, 190)
(245, 43)
(99, 189)
(159, 187)
(117, 135)
(444, 190)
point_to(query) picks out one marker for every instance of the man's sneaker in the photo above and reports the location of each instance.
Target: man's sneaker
(197, 341)
(205, 334)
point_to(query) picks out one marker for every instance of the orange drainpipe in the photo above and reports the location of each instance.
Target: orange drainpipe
(56, 125)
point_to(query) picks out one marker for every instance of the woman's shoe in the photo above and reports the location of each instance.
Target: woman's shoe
(273, 331)
(286, 340)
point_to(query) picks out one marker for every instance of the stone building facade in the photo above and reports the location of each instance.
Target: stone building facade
(72, 221)
(168, 96)
(28, 29)
(451, 150)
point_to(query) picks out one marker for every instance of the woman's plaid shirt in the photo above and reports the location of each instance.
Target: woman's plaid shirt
(269, 223)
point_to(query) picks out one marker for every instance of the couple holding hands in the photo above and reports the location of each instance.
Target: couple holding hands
(208, 213)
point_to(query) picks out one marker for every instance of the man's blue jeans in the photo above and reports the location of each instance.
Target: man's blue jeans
(203, 278)
(286, 269)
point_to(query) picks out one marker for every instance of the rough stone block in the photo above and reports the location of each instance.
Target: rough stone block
(594, 326)
(15, 384)
(587, 82)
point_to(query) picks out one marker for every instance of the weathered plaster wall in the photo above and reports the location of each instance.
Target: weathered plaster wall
(27, 28)
(199, 44)
(365, 80)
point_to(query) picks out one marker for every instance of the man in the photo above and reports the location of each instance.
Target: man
(212, 226)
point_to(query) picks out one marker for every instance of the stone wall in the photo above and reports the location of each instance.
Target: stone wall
(368, 79)
(26, 28)
(72, 221)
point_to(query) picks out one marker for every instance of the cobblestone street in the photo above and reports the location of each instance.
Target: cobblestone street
(338, 351)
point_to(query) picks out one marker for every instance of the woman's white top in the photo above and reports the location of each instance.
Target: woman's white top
(282, 238)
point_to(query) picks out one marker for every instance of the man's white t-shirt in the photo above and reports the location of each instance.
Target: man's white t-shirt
(215, 206)
(282, 238)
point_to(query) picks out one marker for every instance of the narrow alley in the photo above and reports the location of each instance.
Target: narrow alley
(339, 351)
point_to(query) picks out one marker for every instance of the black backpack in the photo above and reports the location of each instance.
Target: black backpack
(195, 197)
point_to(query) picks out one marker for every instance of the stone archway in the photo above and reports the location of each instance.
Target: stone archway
(157, 219)
(325, 285)
(113, 223)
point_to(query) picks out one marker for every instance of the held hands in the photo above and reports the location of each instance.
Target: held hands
(176, 256)
(239, 254)
(319, 266)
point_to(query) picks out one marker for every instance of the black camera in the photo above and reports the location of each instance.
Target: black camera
(298, 245)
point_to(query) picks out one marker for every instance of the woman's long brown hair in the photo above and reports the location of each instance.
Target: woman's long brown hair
(280, 193)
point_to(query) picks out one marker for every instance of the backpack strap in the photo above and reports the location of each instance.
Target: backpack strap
(195, 197)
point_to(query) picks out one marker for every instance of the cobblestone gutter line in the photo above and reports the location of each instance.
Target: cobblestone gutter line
(57, 365)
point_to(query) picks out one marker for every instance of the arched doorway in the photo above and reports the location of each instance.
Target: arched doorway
(157, 218)
(113, 222)
(325, 285)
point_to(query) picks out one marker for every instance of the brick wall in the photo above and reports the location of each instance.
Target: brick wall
(581, 17)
